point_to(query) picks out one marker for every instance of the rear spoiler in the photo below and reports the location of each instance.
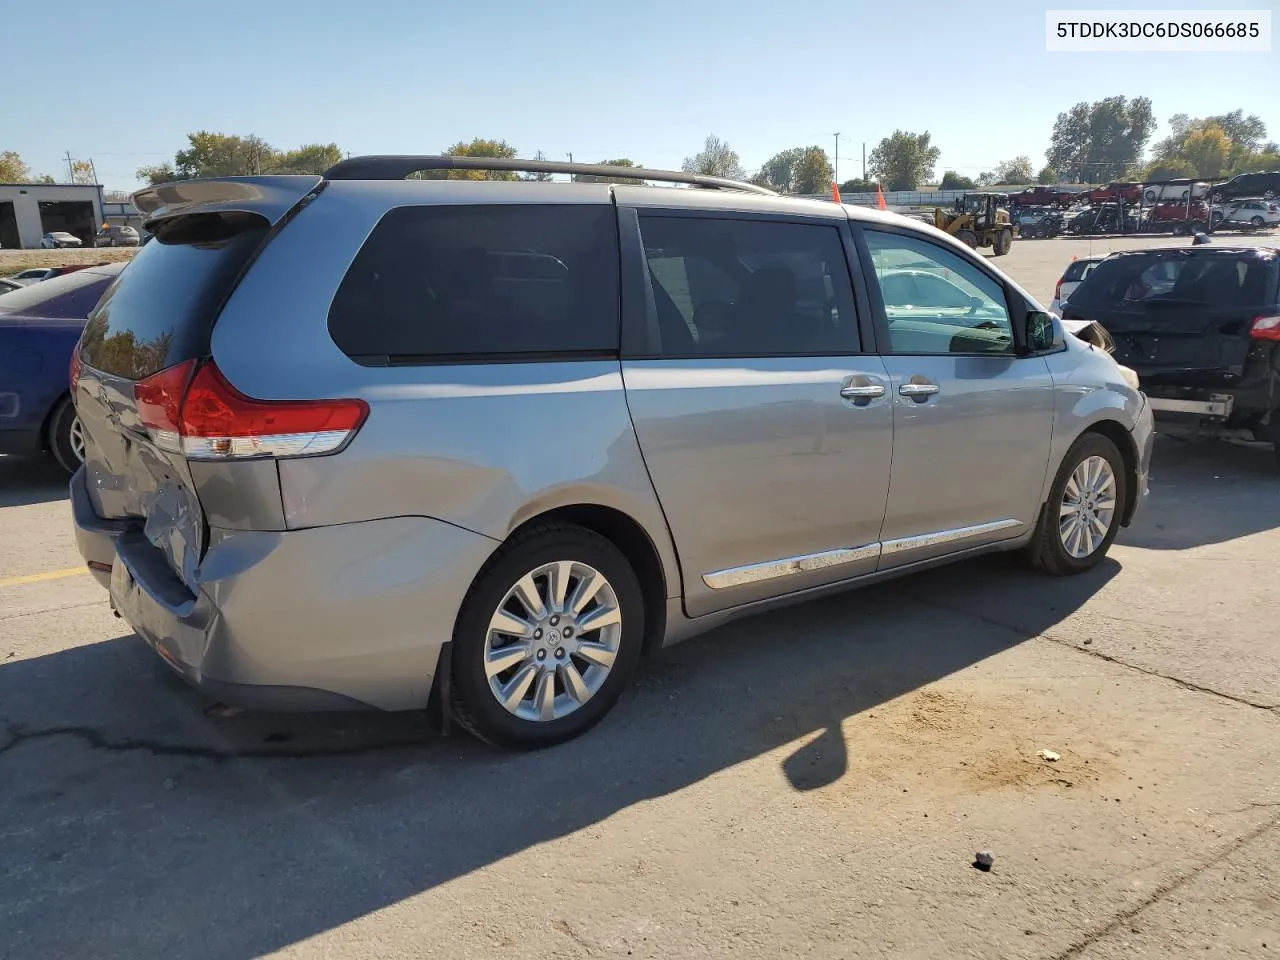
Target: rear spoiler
(268, 197)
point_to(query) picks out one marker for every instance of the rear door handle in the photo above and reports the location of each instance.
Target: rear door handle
(918, 391)
(867, 391)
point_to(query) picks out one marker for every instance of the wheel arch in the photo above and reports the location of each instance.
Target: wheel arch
(1117, 433)
(636, 544)
(46, 425)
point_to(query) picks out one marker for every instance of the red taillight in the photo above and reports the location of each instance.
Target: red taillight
(1266, 328)
(77, 365)
(1057, 291)
(205, 418)
(159, 401)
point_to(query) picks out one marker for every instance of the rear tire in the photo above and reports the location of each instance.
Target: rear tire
(578, 695)
(1003, 242)
(1054, 548)
(66, 439)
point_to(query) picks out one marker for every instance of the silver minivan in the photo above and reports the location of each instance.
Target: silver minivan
(366, 441)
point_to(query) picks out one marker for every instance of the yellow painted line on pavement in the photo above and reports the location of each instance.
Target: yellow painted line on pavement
(41, 577)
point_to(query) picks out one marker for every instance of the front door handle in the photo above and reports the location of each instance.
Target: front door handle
(869, 391)
(918, 391)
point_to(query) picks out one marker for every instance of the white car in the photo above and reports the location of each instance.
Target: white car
(1246, 213)
(58, 239)
(1074, 275)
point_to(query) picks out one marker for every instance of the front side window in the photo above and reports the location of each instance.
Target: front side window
(726, 288)
(936, 301)
(441, 283)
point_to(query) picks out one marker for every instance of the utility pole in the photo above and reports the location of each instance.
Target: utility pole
(71, 176)
(94, 171)
(864, 159)
(836, 166)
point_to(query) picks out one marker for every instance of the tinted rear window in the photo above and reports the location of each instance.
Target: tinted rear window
(1078, 270)
(472, 282)
(69, 297)
(1215, 281)
(161, 309)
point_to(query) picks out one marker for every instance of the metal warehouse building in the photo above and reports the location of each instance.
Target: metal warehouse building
(30, 210)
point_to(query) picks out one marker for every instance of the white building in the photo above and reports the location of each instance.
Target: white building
(30, 210)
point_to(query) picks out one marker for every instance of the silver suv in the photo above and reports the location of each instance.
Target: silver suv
(361, 440)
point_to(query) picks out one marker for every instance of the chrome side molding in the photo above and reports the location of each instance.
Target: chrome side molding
(788, 566)
(771, 569)
(904, 544)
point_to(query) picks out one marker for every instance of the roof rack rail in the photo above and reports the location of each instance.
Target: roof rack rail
(398, 167)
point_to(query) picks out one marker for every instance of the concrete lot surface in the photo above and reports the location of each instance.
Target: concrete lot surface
(810, 783)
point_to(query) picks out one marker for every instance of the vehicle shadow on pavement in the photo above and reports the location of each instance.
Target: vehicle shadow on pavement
(1206, 491)
(26, 480)
(135, 825)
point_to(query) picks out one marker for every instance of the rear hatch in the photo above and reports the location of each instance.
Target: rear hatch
(1180, 317)
(144, 353)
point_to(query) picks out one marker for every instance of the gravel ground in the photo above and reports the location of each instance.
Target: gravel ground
(809, 783)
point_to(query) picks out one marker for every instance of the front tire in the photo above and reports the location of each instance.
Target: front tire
(66, 436)
(1003, 242)
(1081, 518)
(547, 638)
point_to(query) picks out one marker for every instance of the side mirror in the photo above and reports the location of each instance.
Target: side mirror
(1041, 332)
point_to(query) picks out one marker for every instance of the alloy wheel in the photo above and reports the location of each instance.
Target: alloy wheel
(76, 436)
(1088, 507)
(553, 640)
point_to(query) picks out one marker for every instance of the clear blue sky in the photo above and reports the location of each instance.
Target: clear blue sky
(124, 82)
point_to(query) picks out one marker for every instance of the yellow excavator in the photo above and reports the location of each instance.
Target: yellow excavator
(979, 220)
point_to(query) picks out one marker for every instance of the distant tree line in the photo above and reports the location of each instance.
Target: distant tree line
(1090, 143)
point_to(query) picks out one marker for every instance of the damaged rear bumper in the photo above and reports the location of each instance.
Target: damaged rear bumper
(342, 617)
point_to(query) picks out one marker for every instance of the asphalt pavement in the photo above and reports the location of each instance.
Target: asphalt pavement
(812, 782)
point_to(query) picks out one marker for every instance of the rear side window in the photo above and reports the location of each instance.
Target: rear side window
(161, 308)
(725, 288)
(1215, 281)
(1078, 270)
(69, 297)
(463, 283)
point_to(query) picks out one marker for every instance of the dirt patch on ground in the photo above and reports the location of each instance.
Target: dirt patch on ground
(15, 261)
(953, 742)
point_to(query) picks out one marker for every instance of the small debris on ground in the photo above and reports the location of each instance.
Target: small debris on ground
(170, 783)
(1050, 756)
(984, 860)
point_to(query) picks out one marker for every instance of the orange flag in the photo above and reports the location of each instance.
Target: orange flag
(880, 198)
(835, 191)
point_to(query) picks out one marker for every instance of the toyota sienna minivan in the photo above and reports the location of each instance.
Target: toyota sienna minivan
(363, 440)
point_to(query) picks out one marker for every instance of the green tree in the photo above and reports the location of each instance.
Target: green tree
(903, 160)
(715, 159)
(954, 181)
(313, 158)
(13, 169)
(623, 162)
(813, 172)
(779, 171)
(1095, 142)
(1259, 162)
(1047, 176)
(159, 173)
(1017, 170)
(480, 147)
(858, 185)
(1164, 170)
(1207, 149)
